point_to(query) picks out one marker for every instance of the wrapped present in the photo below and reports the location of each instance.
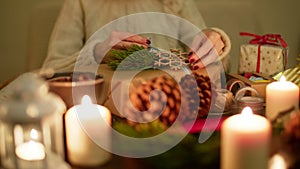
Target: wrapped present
(265, 54)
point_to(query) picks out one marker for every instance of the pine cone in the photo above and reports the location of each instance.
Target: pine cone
(147, 107)
(190, 97)
(194, 90)
(202, 98)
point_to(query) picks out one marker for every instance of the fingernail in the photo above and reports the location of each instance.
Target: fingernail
(190, 54)
(148, 42)
(196, 67)
(192, 60)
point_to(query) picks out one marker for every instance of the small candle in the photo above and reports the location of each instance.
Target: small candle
(245, 140)
(81, 150)
(31, 150)
(281, 96)
(277, 162)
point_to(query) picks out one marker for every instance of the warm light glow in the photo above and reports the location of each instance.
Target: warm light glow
(82, 125)
(86, 100)
(31, 150)
(282, 79)
(277, 162)
(34, 134)
(247, 111)
(241, 136)
(18, 134)
(281, 96)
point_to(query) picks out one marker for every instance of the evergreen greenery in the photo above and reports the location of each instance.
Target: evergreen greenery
(133, 58)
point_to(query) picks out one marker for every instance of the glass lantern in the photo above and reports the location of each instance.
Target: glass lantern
(31, 128)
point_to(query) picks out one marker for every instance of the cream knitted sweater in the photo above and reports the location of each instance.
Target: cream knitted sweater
(80, 19)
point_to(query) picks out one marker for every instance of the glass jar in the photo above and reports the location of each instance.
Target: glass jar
(255, 103)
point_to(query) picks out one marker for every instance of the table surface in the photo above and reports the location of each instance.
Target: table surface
(190, 154)
(182, 154)
(290, 152)
(292, 161)
(117, 162)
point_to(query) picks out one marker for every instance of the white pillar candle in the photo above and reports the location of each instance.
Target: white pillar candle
(245, 141)
(281, 96)
(81, 149)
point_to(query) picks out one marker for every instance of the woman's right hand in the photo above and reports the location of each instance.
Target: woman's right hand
(119, 41)
(123, 40)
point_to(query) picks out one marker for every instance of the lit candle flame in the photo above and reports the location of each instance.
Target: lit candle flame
(247, 111)
(278, 162)
(282, 79)
(86, 100)
(34, 134)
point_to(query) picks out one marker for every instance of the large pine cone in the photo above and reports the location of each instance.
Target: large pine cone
(192, 96)
(148, 103)
(198, 99)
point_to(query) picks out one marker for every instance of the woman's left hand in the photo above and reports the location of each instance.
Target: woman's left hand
(206, 48)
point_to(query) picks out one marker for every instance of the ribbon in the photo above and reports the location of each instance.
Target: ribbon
(267, 39)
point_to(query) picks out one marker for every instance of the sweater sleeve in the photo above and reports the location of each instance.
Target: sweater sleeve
(191, 13)
(224, 57)
(67, 38)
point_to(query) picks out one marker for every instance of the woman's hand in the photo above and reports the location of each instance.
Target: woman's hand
(206, 48)
(119, 41)
(123, 40)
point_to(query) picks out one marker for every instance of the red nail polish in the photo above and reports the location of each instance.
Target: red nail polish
(196, 67)
(192, 60)
(190, 54)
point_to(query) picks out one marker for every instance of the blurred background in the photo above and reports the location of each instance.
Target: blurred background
(26, 26)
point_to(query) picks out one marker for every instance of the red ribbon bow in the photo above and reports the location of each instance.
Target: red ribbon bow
(270, 39)
(267, 39)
